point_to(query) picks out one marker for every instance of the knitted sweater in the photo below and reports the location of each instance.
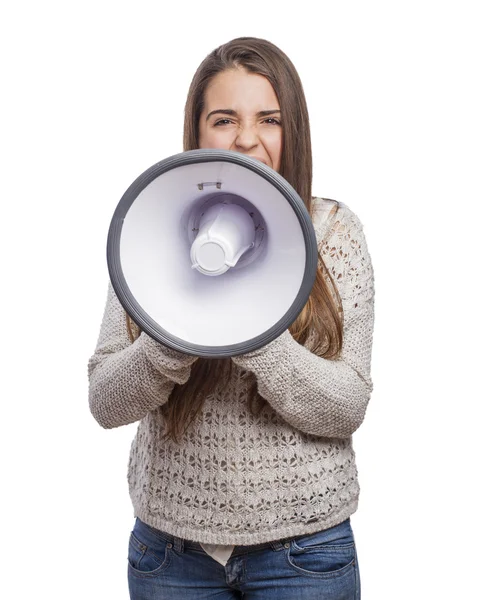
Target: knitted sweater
(237, 478)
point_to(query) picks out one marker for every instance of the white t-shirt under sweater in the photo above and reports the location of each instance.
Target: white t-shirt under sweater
(237, 478)
(220, 553)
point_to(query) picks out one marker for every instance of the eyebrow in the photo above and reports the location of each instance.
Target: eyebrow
(233, 113)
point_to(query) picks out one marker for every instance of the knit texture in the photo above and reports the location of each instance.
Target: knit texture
(236, 478)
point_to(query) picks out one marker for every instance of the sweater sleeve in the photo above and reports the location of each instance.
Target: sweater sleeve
(319, 396)
(127, 380)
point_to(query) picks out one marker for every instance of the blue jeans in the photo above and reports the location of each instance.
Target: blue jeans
(321, 565)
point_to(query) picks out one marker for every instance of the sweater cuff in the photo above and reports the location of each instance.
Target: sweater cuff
(165, 359)
(266, 354)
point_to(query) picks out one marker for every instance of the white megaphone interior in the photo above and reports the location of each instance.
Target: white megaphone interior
(211, 311)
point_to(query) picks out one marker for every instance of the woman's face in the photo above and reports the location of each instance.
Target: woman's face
(242, 113)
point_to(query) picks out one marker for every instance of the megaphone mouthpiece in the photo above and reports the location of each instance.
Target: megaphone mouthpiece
(226, 232)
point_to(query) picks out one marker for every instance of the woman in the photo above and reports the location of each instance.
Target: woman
(242, 473)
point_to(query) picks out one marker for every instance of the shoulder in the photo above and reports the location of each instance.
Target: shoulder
(349, 220)
(322, 212)
(333, 217)
(345, 251)
(321, 206)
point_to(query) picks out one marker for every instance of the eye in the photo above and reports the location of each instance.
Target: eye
(222, 122)
(272, 121)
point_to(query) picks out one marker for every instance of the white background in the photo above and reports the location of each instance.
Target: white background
(404, 105)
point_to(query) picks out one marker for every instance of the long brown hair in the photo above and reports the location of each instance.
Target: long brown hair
(321, 319)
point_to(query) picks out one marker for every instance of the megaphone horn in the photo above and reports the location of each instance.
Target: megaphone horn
(212, 253)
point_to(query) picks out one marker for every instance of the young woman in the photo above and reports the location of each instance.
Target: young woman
(242, 473)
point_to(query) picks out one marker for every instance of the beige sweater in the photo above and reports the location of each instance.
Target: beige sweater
(237, 478)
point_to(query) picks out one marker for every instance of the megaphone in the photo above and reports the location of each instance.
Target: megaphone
(212, 253)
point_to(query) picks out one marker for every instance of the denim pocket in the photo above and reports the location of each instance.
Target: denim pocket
(328, 553)
(148, 552)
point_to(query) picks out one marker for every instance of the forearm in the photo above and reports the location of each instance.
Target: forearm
(126, 385)
(318, 396)
(127, 380)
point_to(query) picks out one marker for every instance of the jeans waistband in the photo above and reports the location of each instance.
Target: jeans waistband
(238, 550)
(180, 544)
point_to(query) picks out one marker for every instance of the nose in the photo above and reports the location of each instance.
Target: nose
(247, 138)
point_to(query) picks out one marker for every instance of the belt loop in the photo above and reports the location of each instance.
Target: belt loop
(178, 544)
